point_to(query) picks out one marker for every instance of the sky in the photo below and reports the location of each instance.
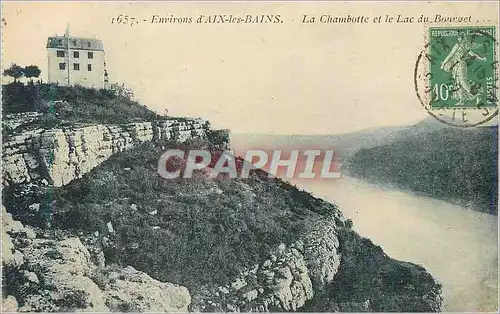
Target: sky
(286, 78)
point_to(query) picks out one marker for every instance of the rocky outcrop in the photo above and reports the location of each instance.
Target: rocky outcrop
(57, 277)
(129, 290)
(62, 155)
(9, 304)
(47, 275)
(11, 257)
(55, 271)
(13, 121)
(284, 281)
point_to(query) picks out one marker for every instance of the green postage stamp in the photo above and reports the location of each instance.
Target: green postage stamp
(462, 67)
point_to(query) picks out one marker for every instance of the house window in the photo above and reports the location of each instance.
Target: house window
(59, 42)
(76, 66)
(90, 55)
(88, 44)
(62, 66)
(73, 42)
(76, 54)
(89, 67)
(60, 53)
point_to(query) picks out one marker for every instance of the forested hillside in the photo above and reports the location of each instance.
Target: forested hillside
(454, 164)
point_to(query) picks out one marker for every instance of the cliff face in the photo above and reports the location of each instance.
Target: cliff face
(254, 244)
(62, 155)
(285, 281)
(257, 244)
(45, 274)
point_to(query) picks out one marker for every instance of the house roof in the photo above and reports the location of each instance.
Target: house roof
(75, 43)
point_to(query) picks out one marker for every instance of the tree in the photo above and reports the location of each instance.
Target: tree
(348, 223)
(14, 71)
(122, 91)
(32, 71)
(218, 138)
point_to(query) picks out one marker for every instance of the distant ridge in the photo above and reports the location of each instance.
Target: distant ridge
(453, 164)
(345, 144)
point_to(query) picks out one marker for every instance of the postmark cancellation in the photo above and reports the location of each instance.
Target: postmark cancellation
(456, 74)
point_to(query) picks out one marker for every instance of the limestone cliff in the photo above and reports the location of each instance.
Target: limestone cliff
(257, 244)
(283, 282)
(62, 155)
(45, 274)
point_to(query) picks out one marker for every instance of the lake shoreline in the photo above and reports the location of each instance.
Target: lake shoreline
(458, 246)
(385, 185)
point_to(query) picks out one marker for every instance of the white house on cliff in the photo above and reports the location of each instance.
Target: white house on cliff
(76, 61)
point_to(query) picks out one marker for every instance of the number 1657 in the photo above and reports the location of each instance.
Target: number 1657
(123, 19)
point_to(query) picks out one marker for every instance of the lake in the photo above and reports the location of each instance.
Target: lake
(459, 247)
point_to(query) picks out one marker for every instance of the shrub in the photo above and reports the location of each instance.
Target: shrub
(218, 138)
(367, 273)
(75, 104)
(72, 301)
(203, 236)
(348, 223)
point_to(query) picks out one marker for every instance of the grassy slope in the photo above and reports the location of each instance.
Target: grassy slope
(454, 164)
(367, 273)
(83, 105)
(211, 229)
